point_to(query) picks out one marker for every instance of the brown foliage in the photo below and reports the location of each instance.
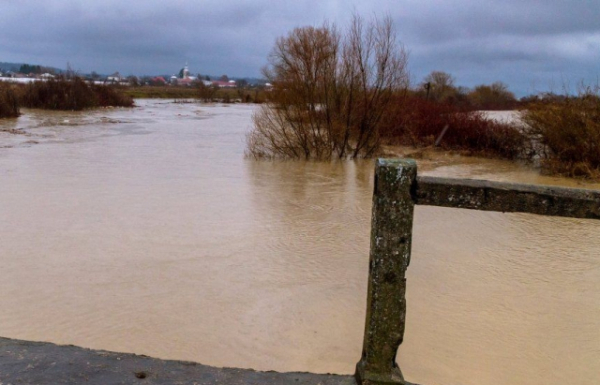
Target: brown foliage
(111, 96)
(418, 122)
(72, 94)
(206, 93)
(568, 130)
(9, 103)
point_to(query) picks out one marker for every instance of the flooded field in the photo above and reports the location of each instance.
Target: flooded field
(147, 231)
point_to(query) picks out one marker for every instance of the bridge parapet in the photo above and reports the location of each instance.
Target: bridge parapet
(397, 189)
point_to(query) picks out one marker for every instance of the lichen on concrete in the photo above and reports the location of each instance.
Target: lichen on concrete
(507, 197)
(391, 239)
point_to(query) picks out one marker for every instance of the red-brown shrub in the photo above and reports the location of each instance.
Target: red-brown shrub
(71, 94)
(418, 122)
(568, 131)
(9, 103)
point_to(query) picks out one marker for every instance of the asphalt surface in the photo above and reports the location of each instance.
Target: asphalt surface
(25, 362)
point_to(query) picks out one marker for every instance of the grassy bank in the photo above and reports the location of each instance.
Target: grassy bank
(9, 103)
(164, 92)
(202, 93)
(71, 94)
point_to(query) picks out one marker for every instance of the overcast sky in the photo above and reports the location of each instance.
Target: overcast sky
(531, 45)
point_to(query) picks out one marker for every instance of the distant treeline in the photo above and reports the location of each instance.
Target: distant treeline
(28, 68)
(440, 87)
(34, 69)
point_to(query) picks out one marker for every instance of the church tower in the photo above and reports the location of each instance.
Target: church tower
(186, 71)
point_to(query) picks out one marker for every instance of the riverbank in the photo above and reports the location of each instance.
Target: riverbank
(26, 362)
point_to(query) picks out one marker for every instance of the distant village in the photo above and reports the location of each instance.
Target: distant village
(30, 73)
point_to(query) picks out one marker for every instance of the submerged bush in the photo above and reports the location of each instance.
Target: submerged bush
(9, 102)
(109, 96)
(419, 122)
(72, 94)
(568, 132)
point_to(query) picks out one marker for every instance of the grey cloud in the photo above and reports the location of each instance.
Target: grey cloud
(434, 21)
(518, 42)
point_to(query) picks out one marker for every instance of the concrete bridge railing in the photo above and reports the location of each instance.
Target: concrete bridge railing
(397, 189)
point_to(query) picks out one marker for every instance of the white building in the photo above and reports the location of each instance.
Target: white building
(115, 78)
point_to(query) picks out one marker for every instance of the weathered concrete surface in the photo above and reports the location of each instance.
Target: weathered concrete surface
(391, 239)
(24, 362)
(507, 197)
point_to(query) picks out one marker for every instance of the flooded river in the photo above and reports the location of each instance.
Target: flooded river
(147, 231)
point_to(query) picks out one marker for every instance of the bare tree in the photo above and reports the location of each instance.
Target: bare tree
(330, 91)
(440, 86)
(495, 96)
(375, 69)
(70, 73)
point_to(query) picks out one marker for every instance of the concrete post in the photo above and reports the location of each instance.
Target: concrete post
(391, 238)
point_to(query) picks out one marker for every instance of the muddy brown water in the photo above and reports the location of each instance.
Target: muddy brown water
(147, 231)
